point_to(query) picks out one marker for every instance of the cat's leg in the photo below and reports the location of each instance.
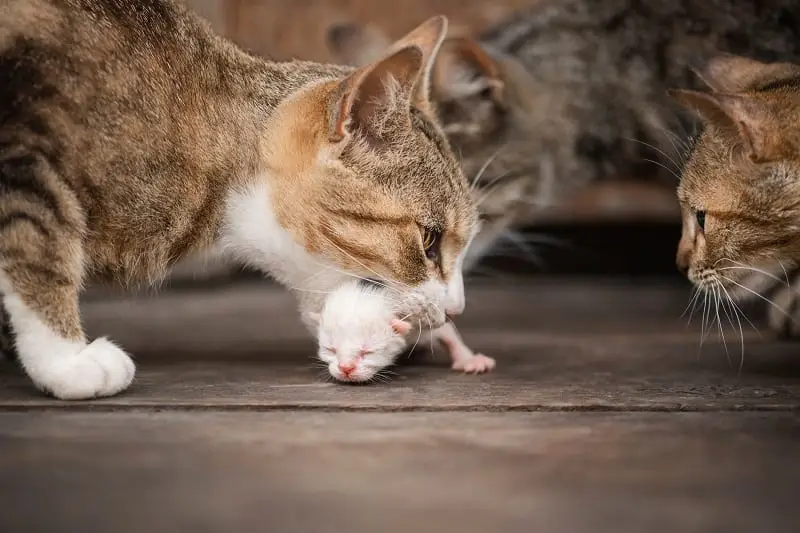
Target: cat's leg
(40, 296)
(464, 359)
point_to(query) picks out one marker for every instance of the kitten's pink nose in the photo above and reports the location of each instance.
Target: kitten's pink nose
(347, 368)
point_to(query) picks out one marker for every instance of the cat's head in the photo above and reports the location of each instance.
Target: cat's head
(487, 106)
(740, 188)
(369, 181)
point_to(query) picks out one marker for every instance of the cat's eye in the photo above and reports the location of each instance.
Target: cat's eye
(701, 219)
(430, 243)
(331, 349)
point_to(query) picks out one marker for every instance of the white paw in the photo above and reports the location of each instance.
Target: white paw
(100, 369)
(475, 364)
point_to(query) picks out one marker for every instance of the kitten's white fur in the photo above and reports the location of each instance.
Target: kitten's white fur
(355, 329)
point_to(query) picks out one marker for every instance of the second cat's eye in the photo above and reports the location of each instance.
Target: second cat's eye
(701, 219)
(430, 243)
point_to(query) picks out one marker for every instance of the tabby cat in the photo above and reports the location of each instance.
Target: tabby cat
(740, 189)
(132, 136)
(573, 92)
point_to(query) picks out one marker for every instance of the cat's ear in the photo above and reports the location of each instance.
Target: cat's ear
(729, 73)
(361, 102)
(355, 45)
(750, 118)
(360, 45)
(464, 69)
(400, 327)
(428, 37)
(706, 105)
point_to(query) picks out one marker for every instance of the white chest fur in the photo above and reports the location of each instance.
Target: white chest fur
(252, 235)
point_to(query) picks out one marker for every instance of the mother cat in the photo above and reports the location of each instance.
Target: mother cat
(132, 136)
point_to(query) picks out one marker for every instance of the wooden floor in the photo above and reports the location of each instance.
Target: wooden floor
(603, 415)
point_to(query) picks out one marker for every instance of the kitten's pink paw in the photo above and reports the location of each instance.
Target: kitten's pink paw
(475, 364)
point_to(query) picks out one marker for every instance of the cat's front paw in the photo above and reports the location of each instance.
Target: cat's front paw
(784, 313)
(474, 364)
(100, 369)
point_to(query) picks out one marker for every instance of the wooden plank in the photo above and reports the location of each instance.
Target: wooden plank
(559, 346)
(400, 472)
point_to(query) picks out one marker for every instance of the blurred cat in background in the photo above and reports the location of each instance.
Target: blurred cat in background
(573, 92)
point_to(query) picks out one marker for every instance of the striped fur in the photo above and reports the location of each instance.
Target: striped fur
(131, 137)
(740, 188)
(571, 92)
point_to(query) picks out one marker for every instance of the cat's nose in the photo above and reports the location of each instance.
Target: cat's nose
(347, 368)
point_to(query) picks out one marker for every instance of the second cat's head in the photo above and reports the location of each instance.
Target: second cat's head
(740, 188)
(368, 181)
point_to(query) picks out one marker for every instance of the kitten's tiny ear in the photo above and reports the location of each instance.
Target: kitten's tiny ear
(362, 99)
(463, 69)
(729, 73)
(401, 327)
(750, 118)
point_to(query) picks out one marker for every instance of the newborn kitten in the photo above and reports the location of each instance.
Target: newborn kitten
(570, 93)
(359, 334)
(740, 189)
(132, 136)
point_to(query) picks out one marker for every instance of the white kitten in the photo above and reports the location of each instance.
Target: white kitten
(360, 334)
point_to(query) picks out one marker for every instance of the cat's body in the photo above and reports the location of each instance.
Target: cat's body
(571, 93)
(131, 136)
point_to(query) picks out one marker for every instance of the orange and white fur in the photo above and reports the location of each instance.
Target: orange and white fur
(133, 137)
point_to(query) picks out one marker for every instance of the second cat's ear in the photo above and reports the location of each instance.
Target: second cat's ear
(464, 69)
(729, 73)
(363, 99)
(749, 119)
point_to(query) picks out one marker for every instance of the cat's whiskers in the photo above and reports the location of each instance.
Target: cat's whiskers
(657, 149)
(483, 168)
(717, 302)
(489, 188)
(736, 311)
(752, 269)
(674, 174)
(692, 299)
(743, 266)
(757, 294)
(419, 336)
